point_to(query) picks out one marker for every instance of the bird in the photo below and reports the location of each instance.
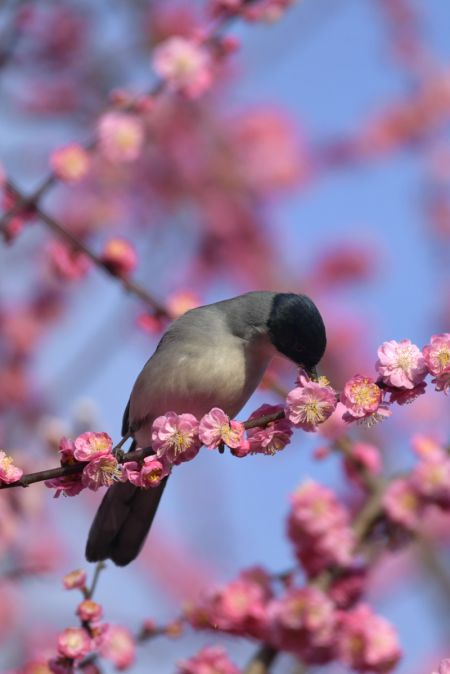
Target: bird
(212, 356)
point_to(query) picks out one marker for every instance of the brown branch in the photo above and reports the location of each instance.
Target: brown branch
(73, 242)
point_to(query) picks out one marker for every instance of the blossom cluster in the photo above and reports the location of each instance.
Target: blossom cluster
(101, 469)
(112, 642)
(428, 485)
(305, 621)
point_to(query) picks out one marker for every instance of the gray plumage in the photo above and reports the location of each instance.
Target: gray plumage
(212, 356)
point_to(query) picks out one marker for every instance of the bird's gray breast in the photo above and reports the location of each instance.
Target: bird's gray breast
(195, 370)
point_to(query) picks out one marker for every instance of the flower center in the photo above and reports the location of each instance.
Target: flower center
(443, 357)
(365, 394)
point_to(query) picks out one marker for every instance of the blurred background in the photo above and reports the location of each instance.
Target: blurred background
(318, 162)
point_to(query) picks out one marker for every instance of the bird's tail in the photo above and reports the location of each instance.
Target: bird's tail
(122, 522)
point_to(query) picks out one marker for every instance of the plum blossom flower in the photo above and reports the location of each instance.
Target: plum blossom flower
(362, 455)
(437, 359)
(121, 136)
(101, 472)
(152, 472)
(366, 641)
(240, 607)
(184, 65)
(363, 398)
(403, 504)
(89, 610)
(118, 646)
(8, 471)
(70, 163)
(75, 580)
(401, 364)
(210, 660)
(302, 620)
(119, 256)
(89, 446)
(175, 436)
(74, 643)
(319, 528)
(216, 427)
(274, 436)
(431, 479)
(310, 404)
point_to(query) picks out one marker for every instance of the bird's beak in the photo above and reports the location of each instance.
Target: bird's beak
(312, 373)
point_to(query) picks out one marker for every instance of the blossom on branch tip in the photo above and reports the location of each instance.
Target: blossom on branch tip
(437, 359)
(9, 473)
(70, 163)
(184, 65)
(401, 364)
(119, 256)
(310, 404)
(74, 643)
(175, 437)
(273, 437)
(75, 580)
(216, 427)
(210, 660)
(89, 446)
(89, 611)
(121, 136)
(152, 472)
(101, 472)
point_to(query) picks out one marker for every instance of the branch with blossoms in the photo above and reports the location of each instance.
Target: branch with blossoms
(92, 461)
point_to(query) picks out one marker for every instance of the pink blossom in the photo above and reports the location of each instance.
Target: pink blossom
(437, 359)
(210, 660)
(131, 472)
(75, 579)
(175, 436)
(401, 364)
(309, 405)
(8, 471)
(70, 163)
(119, 256)
(121, 136)
(89, 446)
(301, 621)
(119, 647)
(403, 504)
(366, 641)
(348, 587)
(184, 65)
(152, 472)
(240, 607)
(74, 643)
(319, 528)
(89, 611)
(362, 398)
(216, 427)
(274, 436)
(101, 472)
(67, 263)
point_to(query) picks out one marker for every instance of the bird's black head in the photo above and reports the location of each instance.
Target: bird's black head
(296, 329)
